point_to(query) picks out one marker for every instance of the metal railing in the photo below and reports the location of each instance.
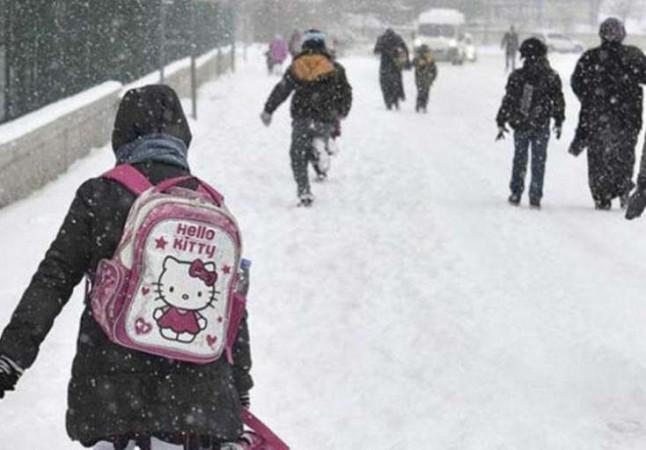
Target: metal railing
(56, 48)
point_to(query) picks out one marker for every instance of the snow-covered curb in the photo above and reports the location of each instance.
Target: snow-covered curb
(38, 147)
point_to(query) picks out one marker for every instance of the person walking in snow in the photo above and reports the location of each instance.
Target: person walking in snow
(295, 43)
(533, 97)
(394, 58)
(510, 45)
(322, 95)
(607, 81)
(425, 75)
(276, 53)
(118, 396)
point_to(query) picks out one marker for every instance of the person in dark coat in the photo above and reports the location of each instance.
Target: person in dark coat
(607, 82)
(533, 97)
(394, 58)
(425, 75)
(117, 395)
(510, 45)
(322, 96)
(295, 43)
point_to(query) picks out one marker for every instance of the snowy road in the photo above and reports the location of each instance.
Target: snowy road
(411, 308)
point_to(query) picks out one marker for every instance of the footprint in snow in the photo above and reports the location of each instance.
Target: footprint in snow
(626, 426)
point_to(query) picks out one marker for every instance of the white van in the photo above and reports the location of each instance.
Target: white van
(443, 31)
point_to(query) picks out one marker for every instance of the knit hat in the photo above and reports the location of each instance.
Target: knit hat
(313, 40)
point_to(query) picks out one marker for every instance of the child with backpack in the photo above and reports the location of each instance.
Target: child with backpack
(533, 97)
(322, 97)
(425, 75)
(163, 354)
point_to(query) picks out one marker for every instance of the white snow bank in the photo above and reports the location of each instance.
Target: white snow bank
(11, 131)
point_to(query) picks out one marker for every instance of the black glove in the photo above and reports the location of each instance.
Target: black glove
(9, 374)
(576, 147)
(502, 130)
(636, 205)
(245, 400)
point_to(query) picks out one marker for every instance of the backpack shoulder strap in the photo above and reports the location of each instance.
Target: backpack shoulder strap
(128, 176)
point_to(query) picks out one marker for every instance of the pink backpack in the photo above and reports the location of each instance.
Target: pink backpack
(169, 289)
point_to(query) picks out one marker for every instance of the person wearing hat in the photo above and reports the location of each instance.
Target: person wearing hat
(322, 96)
(533, 97)
(119, 397)
(425, 75)
(607, 81)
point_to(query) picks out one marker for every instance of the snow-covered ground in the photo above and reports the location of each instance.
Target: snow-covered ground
(411, 307)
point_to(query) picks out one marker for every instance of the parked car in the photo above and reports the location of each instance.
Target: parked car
(443, 31)
(559, 42)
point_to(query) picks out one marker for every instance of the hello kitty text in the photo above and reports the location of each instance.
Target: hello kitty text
(191, 238)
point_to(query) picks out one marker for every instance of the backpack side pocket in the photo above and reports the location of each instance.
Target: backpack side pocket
(106, 298)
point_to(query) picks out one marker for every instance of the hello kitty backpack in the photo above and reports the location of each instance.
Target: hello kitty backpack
(170, 288)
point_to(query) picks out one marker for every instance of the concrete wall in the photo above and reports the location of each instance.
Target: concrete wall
(40, 146)
(54, 138)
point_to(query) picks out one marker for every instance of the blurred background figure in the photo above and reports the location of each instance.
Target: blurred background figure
(295, 43)
(276, 55)
(510, 45)
(394, 58)
(425, 75)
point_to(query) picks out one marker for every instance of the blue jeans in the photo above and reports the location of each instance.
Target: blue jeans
(538, 140)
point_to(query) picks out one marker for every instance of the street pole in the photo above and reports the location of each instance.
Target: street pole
(234, 18)
(162, 37)
(193, 62)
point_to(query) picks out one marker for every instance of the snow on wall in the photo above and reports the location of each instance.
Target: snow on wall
(38, 147)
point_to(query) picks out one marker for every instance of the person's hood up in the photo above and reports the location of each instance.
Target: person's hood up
(612, 31)
(150, 110)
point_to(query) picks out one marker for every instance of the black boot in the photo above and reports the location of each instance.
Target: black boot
(603, 205)
(514, 199)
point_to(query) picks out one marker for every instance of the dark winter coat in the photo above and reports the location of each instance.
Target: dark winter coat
(394, 58)
(320, 86)
(533, 96)
(393, 51)
(607, 82)
(425, 70)
(114, 390)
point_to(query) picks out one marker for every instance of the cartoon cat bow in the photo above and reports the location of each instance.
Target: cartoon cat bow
(198, 270)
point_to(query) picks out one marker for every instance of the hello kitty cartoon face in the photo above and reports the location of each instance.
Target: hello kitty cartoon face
(188, 286)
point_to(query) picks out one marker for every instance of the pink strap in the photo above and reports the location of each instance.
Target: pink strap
(130, 177)
(263, 430)
(202, 187)
(238, 305)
